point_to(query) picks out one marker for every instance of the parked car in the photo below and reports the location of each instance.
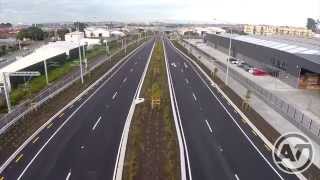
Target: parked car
(233, 60)
(258, 72)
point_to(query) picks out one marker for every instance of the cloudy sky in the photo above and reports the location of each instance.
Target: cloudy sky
(277, 12)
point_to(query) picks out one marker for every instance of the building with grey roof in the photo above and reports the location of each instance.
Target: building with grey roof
(291, 62)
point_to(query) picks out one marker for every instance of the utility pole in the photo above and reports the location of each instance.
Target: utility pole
(228, 62)
(5, 86)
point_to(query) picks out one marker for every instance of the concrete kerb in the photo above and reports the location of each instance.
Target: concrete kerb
(9, 160)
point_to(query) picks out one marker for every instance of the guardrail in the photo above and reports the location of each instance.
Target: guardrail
(287, 110)
(29, 105)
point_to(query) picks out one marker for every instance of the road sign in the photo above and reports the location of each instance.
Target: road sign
(25, 73)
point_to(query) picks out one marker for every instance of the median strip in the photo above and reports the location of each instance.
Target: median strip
(152, 150)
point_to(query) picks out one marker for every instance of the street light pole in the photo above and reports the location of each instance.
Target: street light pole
(5, 87)
(81, 72)
(46, 71)
(228, 60)
(107, 48)
(125, 46)
(85, 58)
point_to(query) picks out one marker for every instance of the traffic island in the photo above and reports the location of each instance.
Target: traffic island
(152, 149)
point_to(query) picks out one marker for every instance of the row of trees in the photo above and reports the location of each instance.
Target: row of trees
(33, 33)
(312, 24)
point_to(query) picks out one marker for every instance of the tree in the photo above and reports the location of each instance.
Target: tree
(62, 32)
(33, 33)
(311, 24)
(80, 25)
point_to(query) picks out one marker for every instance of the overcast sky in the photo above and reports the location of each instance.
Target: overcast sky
(277, 12)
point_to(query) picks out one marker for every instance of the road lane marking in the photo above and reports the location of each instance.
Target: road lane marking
(209, 126)
(194, 97)
(49, 126)
(237, 177)
(187, 81)
(254, 132)
(131, 70)
(19, 157)
(118, 66)
(267, 147)
(124, 80)
(35, 140)
(244, 121)
(114, 95)
(61, 115)
(95, 125)
(68, 175)
(185, 65)
(244, 133)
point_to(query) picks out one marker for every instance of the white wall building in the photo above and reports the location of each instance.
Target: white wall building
(93, 32)
(74, 36)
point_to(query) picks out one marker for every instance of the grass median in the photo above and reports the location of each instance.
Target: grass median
(153, 151)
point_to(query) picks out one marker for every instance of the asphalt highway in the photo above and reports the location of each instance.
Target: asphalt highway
(220, 144)
(82, 141)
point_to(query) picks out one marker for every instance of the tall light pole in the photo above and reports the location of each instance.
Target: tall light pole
(5, 87)
(107, 48)
(81, 72)
(84, 57)
(228, 60)
(46, 71)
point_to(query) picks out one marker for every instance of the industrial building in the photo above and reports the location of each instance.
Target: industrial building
(295, 64)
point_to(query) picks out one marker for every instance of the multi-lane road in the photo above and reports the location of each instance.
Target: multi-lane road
(219, 144)
(82, 142)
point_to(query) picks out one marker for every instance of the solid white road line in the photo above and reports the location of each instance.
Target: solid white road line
(124, 80)
(233, 119)
(118, 168)
(131, 70)
(209, 126)
(124, 60)
(177, 119)
(95, 125)
(194, 97)
(114, 95)
(68, 175)
(237, 177)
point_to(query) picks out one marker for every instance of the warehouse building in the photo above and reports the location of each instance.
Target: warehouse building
(296, 64)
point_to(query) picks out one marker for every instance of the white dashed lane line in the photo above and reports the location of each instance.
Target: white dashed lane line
(96, 124)
(210, 129)
(114, 95)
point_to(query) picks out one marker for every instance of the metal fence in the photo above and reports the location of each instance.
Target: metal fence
(289, 111)
(52, 90)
